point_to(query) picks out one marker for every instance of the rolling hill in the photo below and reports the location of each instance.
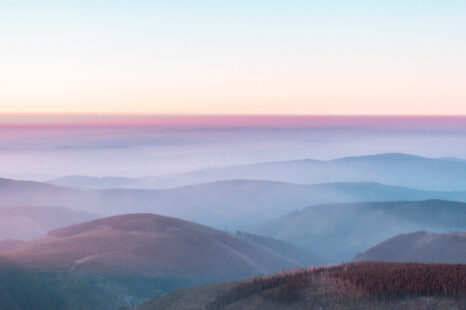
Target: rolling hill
(225, 204)
(442, 174)
(420, 247)
(127, 258)
(337, 232)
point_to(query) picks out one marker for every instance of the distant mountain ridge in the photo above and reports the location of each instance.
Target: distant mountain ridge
(233, 204)
(397, 169)
(82, 181)
(422, 247)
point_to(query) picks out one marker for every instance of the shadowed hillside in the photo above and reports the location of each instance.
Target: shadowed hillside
(350, 286)
(340, 231)
(420, 247)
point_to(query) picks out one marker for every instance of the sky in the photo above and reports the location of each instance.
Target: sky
(395, 57)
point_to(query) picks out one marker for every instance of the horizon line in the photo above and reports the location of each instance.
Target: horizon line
(66, 120)
(122, 116)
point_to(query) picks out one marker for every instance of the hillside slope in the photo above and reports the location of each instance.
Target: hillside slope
(130, 258)
(420, 247)
(338, 232)
(376, 286)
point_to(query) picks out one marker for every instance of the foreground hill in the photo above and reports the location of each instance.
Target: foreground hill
(122, 260)
(340, 231)
(444, 174)
(30, 222)
(353, 286)
(420, 247)
(228, 204)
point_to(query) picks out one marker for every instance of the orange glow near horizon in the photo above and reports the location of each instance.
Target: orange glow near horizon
(62, 121)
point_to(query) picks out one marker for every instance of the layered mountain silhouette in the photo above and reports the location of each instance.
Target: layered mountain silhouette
(421, 247)
(340, 231)
(444, 174)
(122, 260)
(225, 204)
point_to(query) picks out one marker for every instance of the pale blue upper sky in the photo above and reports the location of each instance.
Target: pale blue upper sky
(293, 57)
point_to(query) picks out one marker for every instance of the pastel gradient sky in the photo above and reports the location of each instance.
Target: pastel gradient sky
(233, 57)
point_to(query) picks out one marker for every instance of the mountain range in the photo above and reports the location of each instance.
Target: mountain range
(229, 204)
(441, 174)
(82, 242)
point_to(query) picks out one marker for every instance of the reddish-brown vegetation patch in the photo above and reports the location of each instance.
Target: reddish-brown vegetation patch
(388, 280)
(385, 281)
